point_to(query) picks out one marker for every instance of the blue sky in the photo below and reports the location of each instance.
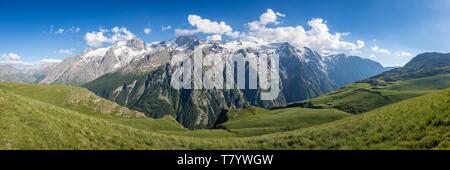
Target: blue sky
(393, 30)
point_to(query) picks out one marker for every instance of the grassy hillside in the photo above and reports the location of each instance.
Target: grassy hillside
(85, 102)
(256, 121)
(423, 65)
(28, 122)
(418, 123)
(362, 97)
(73, 98)
(425, 73)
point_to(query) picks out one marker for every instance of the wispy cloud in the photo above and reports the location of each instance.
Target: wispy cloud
(66, 51)
(380, 50)
(403, 54)
(165, 28)
(147, 30)
(59, 31)
(49, 60)
(62, 30)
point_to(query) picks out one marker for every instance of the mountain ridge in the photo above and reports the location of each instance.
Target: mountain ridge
(428, 72)
(145, 84)
(138, 75)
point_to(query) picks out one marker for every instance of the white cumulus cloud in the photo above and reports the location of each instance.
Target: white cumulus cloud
(317, 37)
(266, 30)
(95, 39)
(269, 17)
(207, 26)
(115, 35)
(12, 58)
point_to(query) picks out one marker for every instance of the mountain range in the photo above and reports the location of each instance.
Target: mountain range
(413, 114)
(144, 83)
(348, 69)
(138, 75)
(9, 73)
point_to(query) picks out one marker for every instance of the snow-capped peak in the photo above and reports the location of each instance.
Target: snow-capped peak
(90, 53)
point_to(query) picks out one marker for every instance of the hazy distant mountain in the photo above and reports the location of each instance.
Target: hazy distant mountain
(344, 69)
(10, 73)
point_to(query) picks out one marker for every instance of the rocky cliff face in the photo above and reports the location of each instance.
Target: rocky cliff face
(303, 73)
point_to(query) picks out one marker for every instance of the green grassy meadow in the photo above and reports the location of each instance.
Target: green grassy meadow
(65, 117)
(257, 121)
